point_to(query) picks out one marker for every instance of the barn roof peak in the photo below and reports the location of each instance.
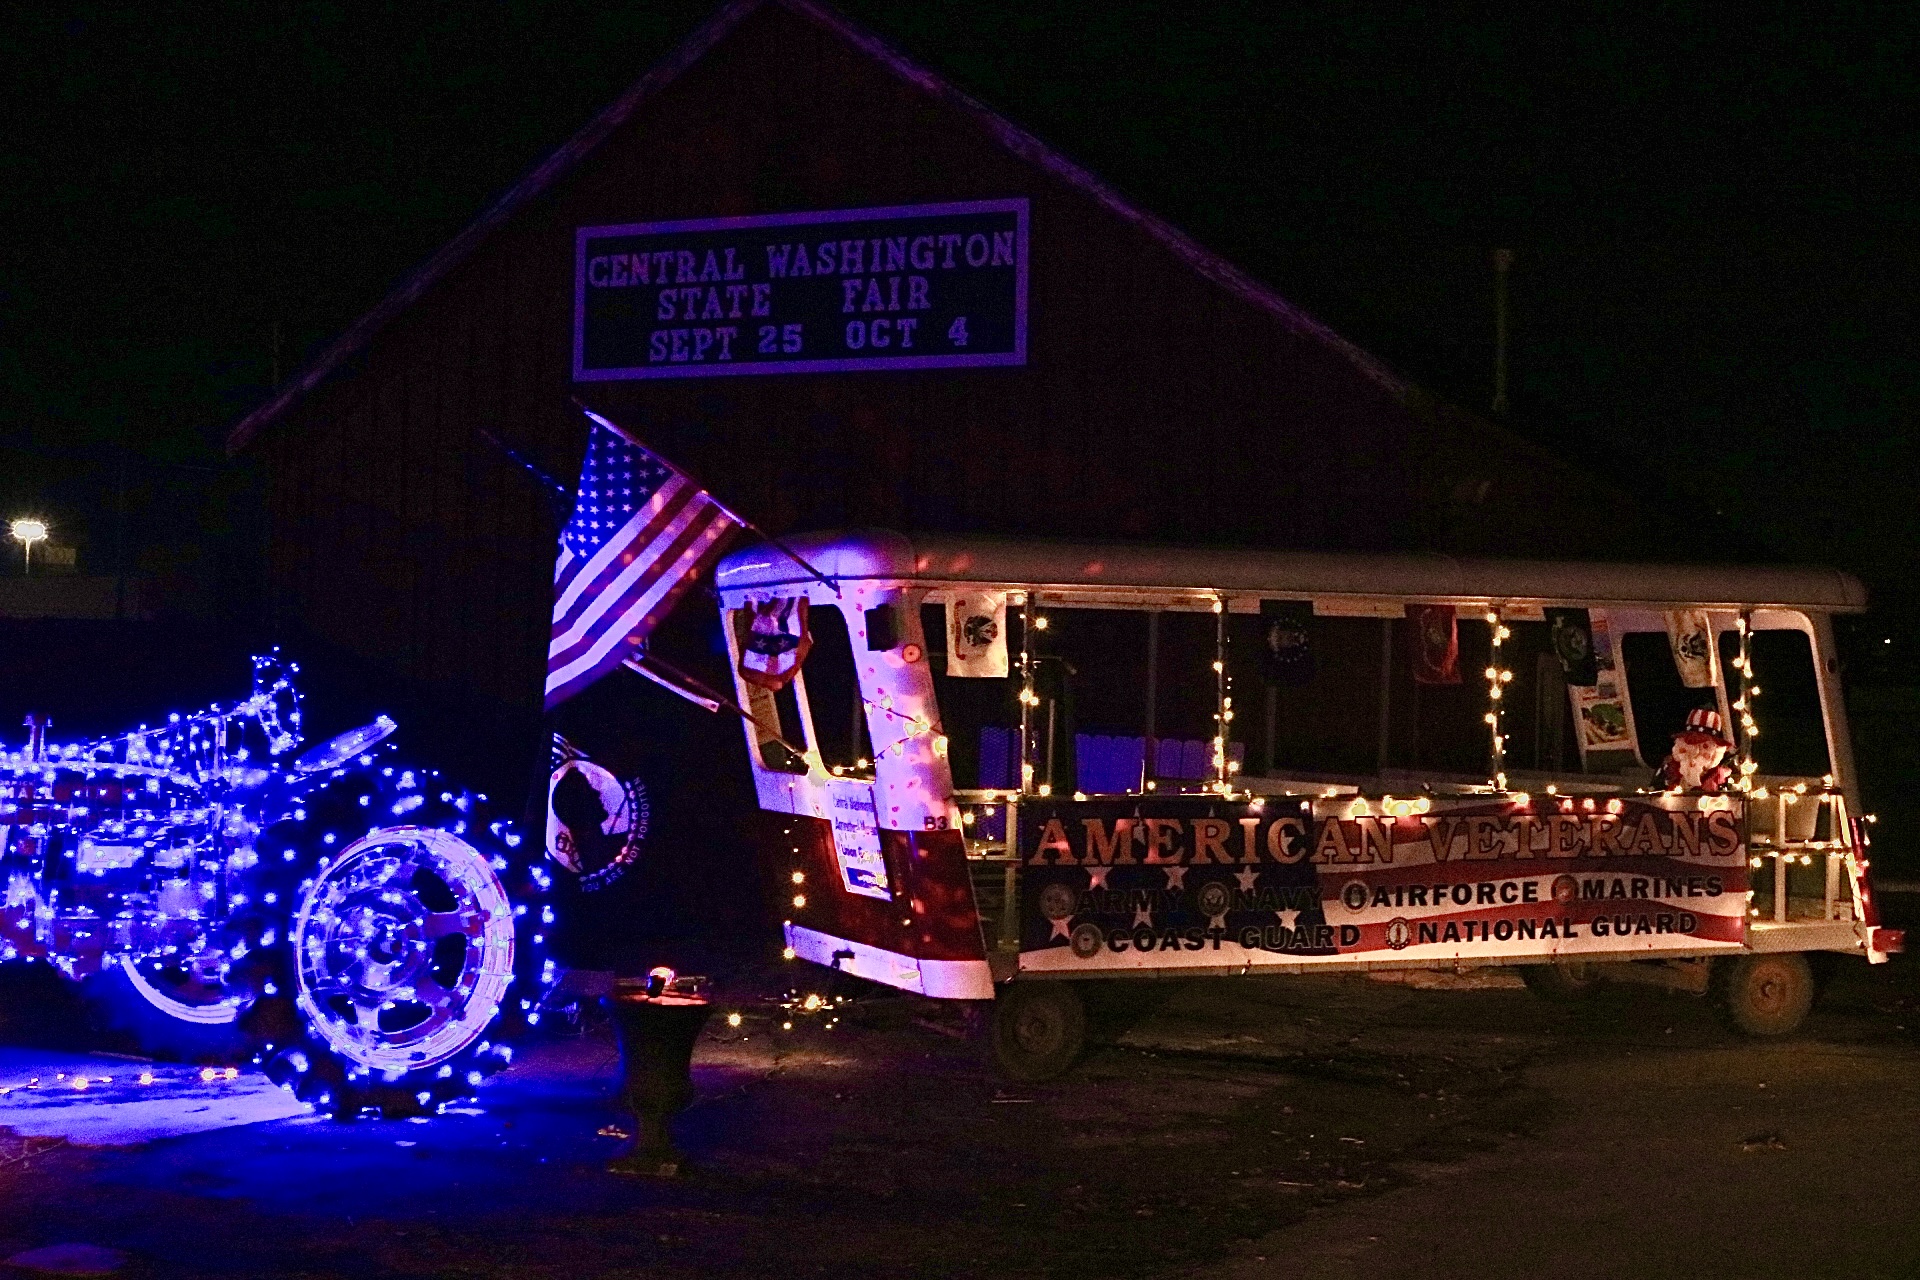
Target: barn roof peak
(563, 161)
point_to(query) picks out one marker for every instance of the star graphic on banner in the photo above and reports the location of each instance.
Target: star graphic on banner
(1246, 879)
(1061, 929)
(1288, 919)
(1097, 877)
(1143, 916)
(1176, 877)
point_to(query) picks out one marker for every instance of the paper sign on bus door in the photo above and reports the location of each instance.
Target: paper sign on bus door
(856, 838)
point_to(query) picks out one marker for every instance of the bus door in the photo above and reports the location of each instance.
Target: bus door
(849, 763)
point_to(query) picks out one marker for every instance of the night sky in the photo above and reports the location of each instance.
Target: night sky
(1714, 222)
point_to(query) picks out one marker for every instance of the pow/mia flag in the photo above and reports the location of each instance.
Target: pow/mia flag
(1571, 632)
(1436, 643)
(596, 823)
(977, 634)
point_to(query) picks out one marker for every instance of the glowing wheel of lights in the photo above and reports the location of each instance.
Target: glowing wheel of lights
(404, 949)
(188, 993)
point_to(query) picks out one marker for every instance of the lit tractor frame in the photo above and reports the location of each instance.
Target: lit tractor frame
(370, 933)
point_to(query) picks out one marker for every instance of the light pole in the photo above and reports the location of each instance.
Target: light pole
(27, 531)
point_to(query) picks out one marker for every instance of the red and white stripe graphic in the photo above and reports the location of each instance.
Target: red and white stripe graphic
(1492, 879)
(640, 534)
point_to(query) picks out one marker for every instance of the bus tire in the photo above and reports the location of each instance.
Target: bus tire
(1564, 981)
(1038, 1030)
(1767, 996)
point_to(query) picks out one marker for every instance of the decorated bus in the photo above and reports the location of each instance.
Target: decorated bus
(995, 769)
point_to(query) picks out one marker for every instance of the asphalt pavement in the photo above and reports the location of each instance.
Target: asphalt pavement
(1331, 1127)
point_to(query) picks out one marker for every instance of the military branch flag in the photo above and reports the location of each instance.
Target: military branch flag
(640, 533)
(1690, 632)
(1436, 643)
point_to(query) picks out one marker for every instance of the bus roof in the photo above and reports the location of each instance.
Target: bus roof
(883, 555)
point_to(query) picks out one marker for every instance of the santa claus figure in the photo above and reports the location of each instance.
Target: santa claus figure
(1698, 760)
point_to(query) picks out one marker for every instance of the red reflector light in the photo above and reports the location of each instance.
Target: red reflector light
(1891, 941)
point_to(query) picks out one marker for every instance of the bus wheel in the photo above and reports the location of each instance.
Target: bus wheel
(1768, 995)
(1564, 981)
(1038, 1029)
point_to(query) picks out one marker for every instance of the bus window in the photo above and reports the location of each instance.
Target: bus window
(1441, 728)
(1324, 717)
(1541, 735)
(833, 692)
(792, 728)
(1792, 741)
(1091, 675)
(1091, 724)
(980, 716)
(777, 721)
(1660, 701)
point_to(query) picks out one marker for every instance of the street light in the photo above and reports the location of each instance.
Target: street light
(26, 531)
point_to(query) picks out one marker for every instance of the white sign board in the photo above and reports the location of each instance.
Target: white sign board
(856, 838)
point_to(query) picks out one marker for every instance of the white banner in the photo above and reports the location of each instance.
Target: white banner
(856, 838)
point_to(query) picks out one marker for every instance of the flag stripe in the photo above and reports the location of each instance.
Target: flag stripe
(593, 576)
(592, 602)
(640, 532)
(616, 580)
(630, 624)
(612, 595)
(627, 617)
(1725, 906)
(708, 557)
(630, 609)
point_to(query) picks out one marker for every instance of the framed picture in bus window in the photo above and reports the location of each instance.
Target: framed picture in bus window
(1601, 711)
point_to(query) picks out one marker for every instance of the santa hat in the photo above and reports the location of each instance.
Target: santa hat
(1705, 720)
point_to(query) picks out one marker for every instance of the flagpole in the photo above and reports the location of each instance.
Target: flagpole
(725, 510)
(540, 477)
(693, 695)
(559, 498)
(692, 688)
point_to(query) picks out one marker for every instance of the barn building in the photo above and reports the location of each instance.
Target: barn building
(732, 260)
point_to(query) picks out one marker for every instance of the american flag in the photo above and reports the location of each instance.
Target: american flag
(640, 533)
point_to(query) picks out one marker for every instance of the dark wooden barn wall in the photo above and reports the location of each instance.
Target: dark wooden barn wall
(1156, 404)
